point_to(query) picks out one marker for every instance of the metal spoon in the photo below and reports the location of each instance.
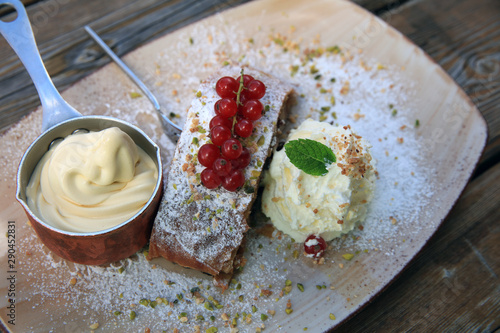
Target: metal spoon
(21, 39)
(171, 129)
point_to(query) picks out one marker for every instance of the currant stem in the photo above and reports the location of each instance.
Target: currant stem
(240, 89)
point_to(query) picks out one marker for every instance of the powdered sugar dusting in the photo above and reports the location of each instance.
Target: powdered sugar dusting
(375, 99)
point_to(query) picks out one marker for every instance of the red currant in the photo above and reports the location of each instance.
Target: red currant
(252, 110)
(221, 121)
(235, 179)
(246, 79)
(226, 107)
(243, 128)
(231, 149)
(210, 178)
(222, 166)
(220, 134)
(207, 154)
(314, 246)
(255, 89)
(243, 161)
(227, 87)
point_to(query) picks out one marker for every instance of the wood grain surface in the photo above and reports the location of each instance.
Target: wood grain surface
(453, 285)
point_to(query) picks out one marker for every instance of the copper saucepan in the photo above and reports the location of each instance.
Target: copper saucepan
(59, 121)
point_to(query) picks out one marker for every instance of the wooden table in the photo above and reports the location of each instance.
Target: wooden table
(453, 284)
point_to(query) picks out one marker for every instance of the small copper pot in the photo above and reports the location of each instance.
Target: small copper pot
(101, 247)
(59, 121)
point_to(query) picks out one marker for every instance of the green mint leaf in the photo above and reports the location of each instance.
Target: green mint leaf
(310, 156)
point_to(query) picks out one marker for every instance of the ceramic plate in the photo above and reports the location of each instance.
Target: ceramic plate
(348, 68)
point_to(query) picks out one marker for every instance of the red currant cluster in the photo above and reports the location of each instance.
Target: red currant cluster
(225, 157)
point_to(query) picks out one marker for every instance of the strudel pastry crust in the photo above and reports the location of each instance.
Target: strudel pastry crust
(201, 228)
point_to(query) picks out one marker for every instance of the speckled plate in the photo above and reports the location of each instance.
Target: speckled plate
(451, 134)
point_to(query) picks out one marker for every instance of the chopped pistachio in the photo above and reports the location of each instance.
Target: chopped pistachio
(417, 123)
(332, 316)
(261, 141)
(255, 173)
(134, 94)
(394, 112)
(249, 189)
(332, 101)
(144, 302)
(263, 317)
(209, 306)
(333, 49)
(200, 318)
(191, 40)
(198, 94)
(241, 298)
(288, 311)
(300, 286)
(254, 308)
(132, 315)
(288, 283)
(348, 256)
(117, 313)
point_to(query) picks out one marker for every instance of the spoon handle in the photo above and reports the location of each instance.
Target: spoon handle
(19, 35)
(171, 129)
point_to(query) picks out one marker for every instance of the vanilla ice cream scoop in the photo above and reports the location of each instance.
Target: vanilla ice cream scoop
(300, 204)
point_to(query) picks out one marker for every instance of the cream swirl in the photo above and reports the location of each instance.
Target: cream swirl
(92, 181)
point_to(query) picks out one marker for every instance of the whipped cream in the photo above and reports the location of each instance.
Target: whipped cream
(91, 181)
(300, 204)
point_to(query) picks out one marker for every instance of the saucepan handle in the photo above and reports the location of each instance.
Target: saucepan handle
(19, 35)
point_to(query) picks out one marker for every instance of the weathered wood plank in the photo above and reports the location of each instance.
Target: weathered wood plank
(380, 6)
(464, 38)
(5, 10)
(453, 285)
(69, 54)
